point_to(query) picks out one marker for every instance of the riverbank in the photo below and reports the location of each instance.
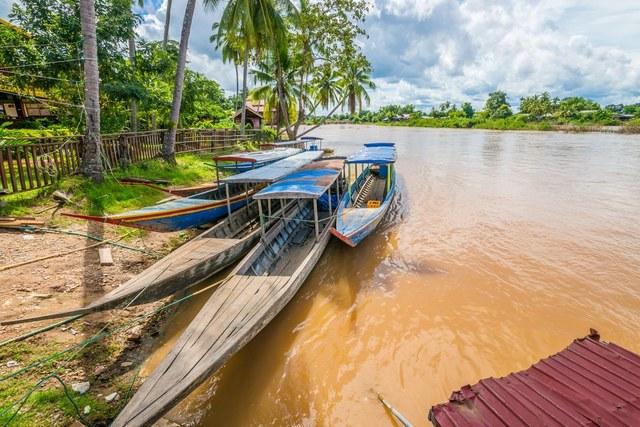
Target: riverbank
(103, 351)
(509, 124)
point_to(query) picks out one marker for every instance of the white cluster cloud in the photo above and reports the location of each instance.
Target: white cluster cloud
(426, 52)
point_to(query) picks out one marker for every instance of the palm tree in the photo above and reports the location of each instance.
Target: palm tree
(91, 158)
(279, 89)
(259, 26)
(230, 47)
(326, 87)
(355, 81)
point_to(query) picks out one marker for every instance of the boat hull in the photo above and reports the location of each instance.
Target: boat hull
(159, 218)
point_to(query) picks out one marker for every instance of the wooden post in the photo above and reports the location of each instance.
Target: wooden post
(315, 218)
(246, 193)
(217, 173)
(261, 218)
(226, 187)
(269, 208)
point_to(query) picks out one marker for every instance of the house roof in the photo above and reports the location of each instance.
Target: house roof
(250, 110)
(591, 382)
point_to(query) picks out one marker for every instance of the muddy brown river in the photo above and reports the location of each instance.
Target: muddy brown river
(500, 249)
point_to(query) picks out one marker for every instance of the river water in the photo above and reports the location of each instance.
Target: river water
(501, 248)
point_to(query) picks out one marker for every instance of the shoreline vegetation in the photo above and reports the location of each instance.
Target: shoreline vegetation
(537, 113)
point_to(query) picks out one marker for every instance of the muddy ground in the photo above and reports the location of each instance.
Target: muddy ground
(110, 365)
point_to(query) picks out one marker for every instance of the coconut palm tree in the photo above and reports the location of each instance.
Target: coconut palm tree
(229, 45)
(326, 87)
(259, 26)
(91, 158)
(279, 89)
(355, 81)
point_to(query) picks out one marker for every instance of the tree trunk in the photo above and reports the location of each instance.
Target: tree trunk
(134, 102)
(235, 104)
(168, 149)
(352, 103)
(284, 107)
(243, 116)
(167, 23)
(91, 157)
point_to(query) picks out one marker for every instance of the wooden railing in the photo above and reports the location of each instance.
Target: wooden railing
(32, 163)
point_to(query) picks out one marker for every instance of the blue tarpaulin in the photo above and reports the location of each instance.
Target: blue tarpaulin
(304, 184)
(374, 153)
(277, 170)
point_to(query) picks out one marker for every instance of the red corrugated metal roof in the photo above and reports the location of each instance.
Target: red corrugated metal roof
(590, 383)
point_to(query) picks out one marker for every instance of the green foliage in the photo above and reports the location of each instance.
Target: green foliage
(539, 105)
(570, 107)
(467, 109)
(497, 106)
(52, 39)
(112, 197)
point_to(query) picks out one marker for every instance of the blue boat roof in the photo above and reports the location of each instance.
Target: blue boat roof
(375, 153)
(380, 144)
(303, 184)
(258, 156)
(276, 170)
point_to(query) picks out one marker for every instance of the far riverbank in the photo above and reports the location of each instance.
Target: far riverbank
(499, 124)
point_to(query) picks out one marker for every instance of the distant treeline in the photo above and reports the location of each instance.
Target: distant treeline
(539, 112)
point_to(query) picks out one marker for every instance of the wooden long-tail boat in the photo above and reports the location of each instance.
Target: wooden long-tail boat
(365, 203)
(201, 257)
(179, 214)
(255, 292)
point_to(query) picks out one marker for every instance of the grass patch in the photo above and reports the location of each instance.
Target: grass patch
(111, 196)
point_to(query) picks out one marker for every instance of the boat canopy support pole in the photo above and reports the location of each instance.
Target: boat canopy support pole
(315, 218)
(217, 173)
(226, 187)
(269, 208)
(330, 212)
(261, 218)
(349, 179)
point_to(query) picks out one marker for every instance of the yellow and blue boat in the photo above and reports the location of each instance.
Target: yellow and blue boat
(189, 212)
(367, 199)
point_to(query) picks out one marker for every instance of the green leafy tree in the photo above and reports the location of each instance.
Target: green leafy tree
(497, 105)
(467, 109)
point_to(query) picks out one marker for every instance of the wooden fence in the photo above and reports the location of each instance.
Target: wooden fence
(38, 162)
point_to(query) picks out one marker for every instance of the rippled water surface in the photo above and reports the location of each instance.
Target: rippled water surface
(501, 249)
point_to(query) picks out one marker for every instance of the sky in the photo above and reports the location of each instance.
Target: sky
(425, 52)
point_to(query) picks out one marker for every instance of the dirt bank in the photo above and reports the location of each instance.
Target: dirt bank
(109, 365)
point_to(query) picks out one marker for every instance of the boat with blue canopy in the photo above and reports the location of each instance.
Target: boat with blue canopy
(368, 198)
(258, 288)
